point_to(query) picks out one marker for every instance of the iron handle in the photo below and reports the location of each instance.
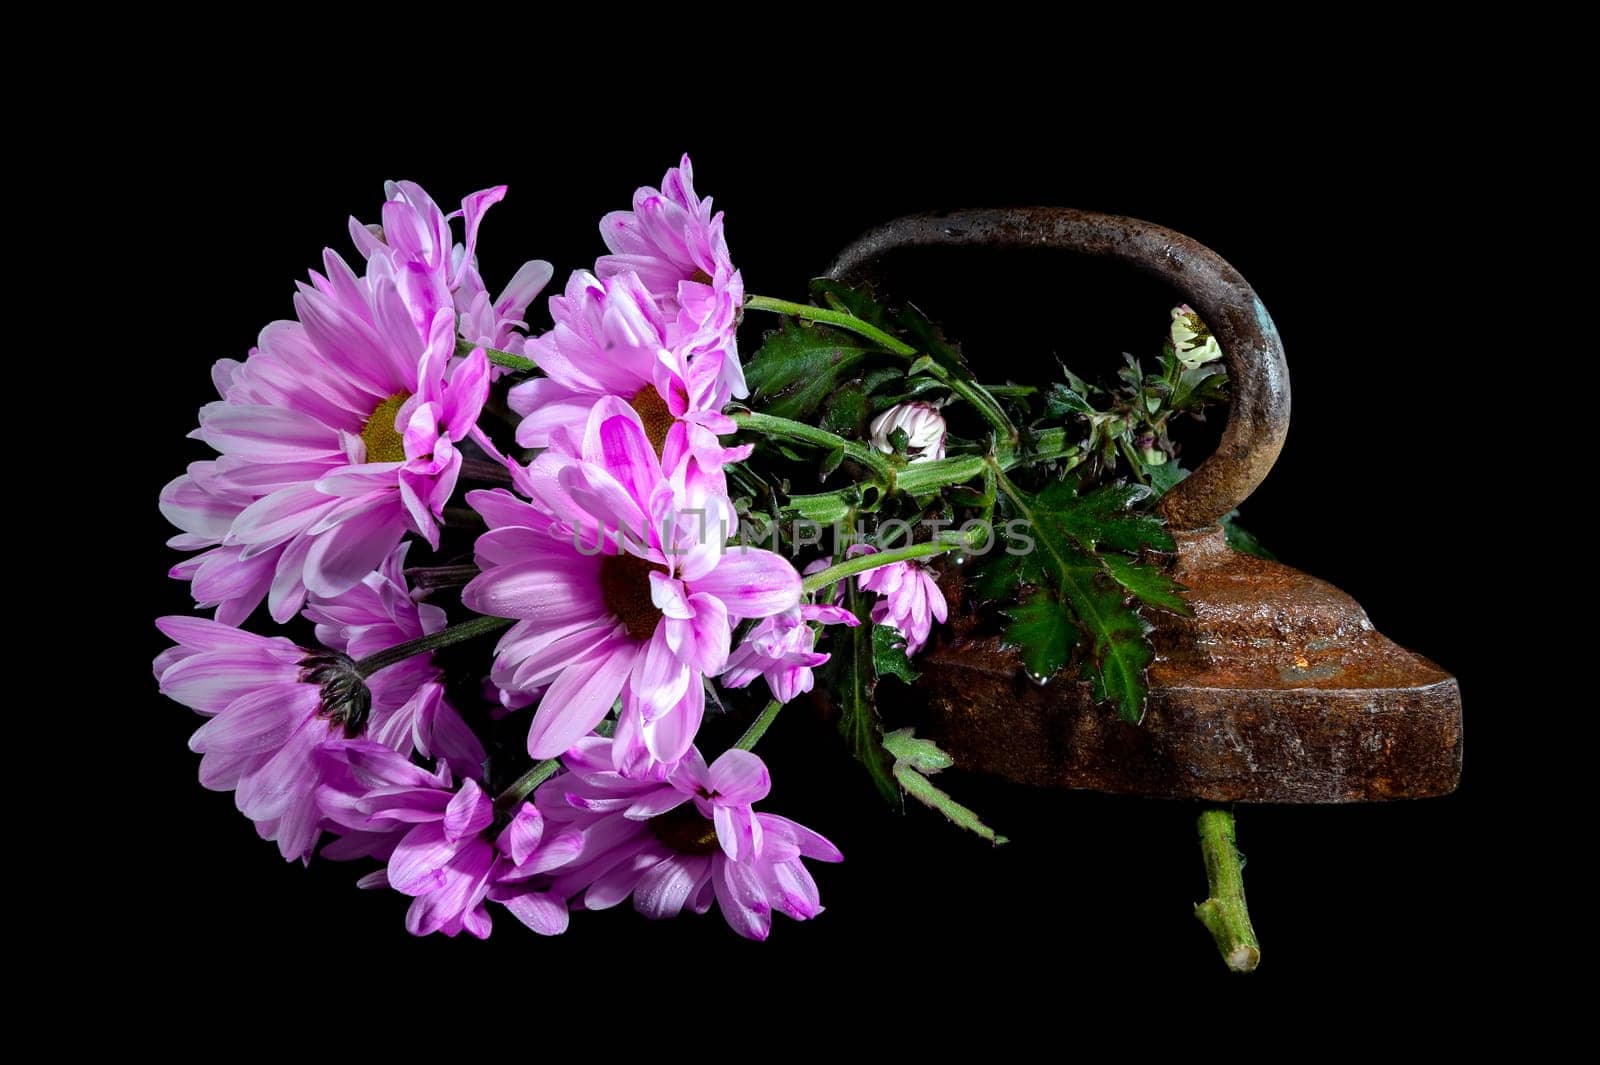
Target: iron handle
(1258, 412)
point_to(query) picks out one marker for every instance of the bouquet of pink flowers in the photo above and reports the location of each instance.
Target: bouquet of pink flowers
(517, 573)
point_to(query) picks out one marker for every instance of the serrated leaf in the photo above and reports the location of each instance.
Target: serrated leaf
(927, 338)
(858, 721)
(1042, 632)
(1149, 583)
(799, 366)
(1062, 570)
(847, 411)
(856, 300)
(922, 755)
(915, 757)
(1062, 401)
(1102, 517)
(889, 655)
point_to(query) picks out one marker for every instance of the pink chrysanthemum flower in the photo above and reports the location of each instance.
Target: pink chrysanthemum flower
(272, 703)
(610, 339)
(682, 842)
(444, 847)
(676, 246)
(911, 600)
(433, 271)
(344, 424)
(621, 585)
(782, 649)
(339, 432)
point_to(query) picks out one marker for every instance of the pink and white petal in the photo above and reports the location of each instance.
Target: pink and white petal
(260, 721)
(744, 905)
(340, 557)
(740, 777)
(738, 831)
(663, 890)
(287, 593)
(669, 737)
(540, 911)
(465, 396)
(752, 583)
(659, 678)
(703, 640)
(580, 698)
(469, 812)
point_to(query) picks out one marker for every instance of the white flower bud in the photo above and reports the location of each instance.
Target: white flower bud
(922, 424)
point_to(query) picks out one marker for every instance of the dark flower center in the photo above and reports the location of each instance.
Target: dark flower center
(653, 412)
(625, 583)
(384, 442)
(346, 700)
(685, 831)
(701, 277)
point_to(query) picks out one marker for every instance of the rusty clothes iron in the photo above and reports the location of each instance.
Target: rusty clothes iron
(1278, 689)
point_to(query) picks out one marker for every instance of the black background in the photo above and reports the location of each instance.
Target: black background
(1335, 219)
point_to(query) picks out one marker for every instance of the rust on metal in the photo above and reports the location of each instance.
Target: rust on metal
(1278, 689)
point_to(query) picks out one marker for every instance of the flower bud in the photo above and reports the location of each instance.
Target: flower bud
(921, 422)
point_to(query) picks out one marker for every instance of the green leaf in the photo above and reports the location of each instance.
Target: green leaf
(1103, 516)
(922, 334)
(1149, 583)
(922, 755)
(1069, 578)
(1062, 401)
(900, 440)
(799, 366)
(858, 721)
(1243, 540)
(1042, 632)
(1201, 384)
(847, 410)
(856, 300)
(830, 462)
(913, 759)
(1164, 478)
(889, 655)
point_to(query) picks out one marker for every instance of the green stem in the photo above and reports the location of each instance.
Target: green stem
(460, 633)
(971, 391)
(920, 478)
(810, 434)
(975, 394)
(1224, 913)
(496, 356)
(950, 541)
(759, 726)
(523, 786)
(847, 322)
(433, 578)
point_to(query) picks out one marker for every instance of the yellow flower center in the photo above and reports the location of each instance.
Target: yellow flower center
(625, 584)
(383, 440)
(685, 831)
(653, 412)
